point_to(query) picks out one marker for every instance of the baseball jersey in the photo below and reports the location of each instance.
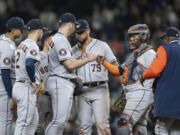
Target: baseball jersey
(60, 50)
(7, 58)
(27, 49)
(92, 71)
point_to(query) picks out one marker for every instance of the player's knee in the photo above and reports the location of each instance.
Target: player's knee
(58, 123)
(124, 125)
(85, 129)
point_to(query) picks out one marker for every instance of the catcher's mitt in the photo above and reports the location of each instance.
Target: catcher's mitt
(120, 103)
(40, 88)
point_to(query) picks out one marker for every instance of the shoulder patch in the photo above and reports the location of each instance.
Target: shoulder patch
(7, 61)
(34, 52)
(62, 52)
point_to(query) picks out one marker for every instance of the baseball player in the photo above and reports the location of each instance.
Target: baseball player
(94, 99)
(25, 87)
(45, 113)
(61, 73)
(139, 97)
(15, 27)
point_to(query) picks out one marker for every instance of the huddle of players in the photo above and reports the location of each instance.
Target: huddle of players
(60, 65)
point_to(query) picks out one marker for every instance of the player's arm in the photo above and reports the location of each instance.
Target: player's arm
(158, 65)
(5, 62)
(6, 78)
(73, 64)
(113, 69)
(30, 68)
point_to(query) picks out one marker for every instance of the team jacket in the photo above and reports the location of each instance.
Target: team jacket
(167, 92)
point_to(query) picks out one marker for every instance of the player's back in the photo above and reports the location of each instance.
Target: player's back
(26, 49)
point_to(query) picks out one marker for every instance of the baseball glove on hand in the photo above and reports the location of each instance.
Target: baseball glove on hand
(78, 86)
(40, 88)
(13, 104)
(120, 103)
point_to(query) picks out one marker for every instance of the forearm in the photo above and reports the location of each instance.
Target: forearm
(30, 68)
(73, 64)
(112, 68)
(7, 81)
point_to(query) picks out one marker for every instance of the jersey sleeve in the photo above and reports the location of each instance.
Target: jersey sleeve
(158, 65)
(63, 49)
(109, 56)
(5, 58)
(33, 53)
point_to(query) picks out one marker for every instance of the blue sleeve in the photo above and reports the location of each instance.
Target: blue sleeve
(30, 68)
(7, 81)
(121, 70)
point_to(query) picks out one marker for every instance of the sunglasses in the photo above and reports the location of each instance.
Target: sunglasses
(80, 32)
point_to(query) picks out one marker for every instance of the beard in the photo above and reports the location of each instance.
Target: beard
(82, 42)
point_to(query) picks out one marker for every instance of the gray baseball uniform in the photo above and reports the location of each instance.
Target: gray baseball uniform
(27, 120)
(45, 113)
(95, 100)
(58, 84)
(139, 98)
(7, 54)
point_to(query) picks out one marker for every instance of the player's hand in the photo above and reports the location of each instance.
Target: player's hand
(100, 59)
(13, 105)
(35, 90)
(91, 57)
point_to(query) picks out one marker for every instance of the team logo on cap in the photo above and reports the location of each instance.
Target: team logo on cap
(78, 26)
(62, 52)
(34, 52)
(7, 61)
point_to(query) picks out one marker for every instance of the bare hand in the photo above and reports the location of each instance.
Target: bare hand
(91, 57)
(35, 90)
(100, 59)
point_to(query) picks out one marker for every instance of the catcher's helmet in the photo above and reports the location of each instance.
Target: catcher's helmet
(139, 29)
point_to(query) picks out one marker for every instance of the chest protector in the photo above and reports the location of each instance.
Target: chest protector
(133, 70)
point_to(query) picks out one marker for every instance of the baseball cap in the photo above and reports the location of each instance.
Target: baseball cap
(35, 24)
(171, 31)
(47, 34)
(15, 23)
(67, 17)
(82, 26)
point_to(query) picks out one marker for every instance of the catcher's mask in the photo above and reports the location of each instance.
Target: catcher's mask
(143, 33)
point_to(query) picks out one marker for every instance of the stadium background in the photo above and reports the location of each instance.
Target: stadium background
(109, 21)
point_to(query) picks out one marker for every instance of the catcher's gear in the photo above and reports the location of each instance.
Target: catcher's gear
(78, 86)
(13, 104)
(139, 29)
(40, 87)
(120, 103)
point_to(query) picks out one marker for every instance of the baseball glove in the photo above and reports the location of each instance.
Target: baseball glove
(120, 103)
(13, 104)
(40, 88)
(78, 86)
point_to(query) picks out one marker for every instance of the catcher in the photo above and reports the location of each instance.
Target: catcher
(139, 97)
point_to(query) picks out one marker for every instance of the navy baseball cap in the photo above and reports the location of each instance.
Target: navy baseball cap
(35, 24)
(67, 17)
(172, 32)
(47, 34)
(83, 25)
(15, 23)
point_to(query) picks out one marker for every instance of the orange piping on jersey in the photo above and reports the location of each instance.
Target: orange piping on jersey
(126, 69)
(111, 68)
(158, 65)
